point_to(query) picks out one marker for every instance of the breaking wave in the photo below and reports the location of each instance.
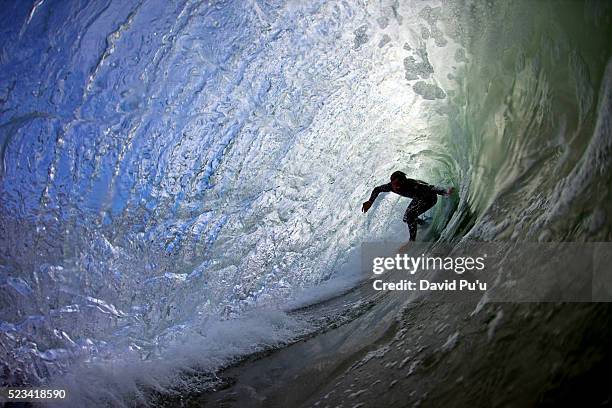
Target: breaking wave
(174, 175)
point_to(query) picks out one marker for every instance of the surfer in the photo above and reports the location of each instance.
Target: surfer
(423, 195)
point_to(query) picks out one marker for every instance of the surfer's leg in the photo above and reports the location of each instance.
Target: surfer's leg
(417, 206)
(410, 218)
(412, 223)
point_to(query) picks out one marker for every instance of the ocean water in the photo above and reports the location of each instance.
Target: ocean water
(177, 175)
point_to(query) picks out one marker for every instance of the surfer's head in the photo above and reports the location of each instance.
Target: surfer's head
(397, 179)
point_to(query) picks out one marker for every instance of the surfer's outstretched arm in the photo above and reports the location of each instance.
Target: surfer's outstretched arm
(385, 188)
(443, 191)
(440, 190)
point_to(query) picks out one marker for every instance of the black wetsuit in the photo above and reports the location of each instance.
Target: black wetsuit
(423, 195)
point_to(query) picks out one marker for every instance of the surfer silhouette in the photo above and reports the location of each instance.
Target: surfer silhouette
(423, 195)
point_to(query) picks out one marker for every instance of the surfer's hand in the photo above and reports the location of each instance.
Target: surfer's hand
(450, 191)
(366, 206)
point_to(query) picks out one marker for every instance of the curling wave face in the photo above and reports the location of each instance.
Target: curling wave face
(168, 168)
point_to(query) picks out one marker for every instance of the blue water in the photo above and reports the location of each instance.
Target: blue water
(173, 173)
